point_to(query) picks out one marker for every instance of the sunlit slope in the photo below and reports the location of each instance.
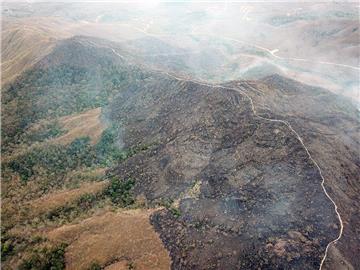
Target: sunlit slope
(57, 146)
(26, 41)
(75, 77)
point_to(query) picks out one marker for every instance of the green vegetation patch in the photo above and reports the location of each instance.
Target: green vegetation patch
(120, 191)
(11, 244)
(48, 93)
(7, 249)
(80, 206)
(45, 131)
(107, 150)
(95, 266)
(54, 160)
(169, 205)
(45, 259)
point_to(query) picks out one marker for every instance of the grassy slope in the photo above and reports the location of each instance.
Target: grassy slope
(27, 41)
(56, 148)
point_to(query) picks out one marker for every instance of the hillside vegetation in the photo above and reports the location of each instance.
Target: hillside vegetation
(108, 164)
(53, 169)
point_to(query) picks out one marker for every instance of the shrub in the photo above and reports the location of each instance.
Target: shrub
(6, 249)
(95, 266)
(45, 259)
(45, 131)
(168, 204)
(86, 201)
(80, 153)
(54, 159)
(175, 211)
(68, 211)
(120, 191)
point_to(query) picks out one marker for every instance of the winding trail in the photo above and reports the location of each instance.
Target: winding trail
(242, 92)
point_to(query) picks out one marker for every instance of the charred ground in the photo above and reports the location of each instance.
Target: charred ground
(258, 200)
(236, 191)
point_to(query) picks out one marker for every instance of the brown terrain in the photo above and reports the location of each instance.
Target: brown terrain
(87, 123)
(60, 198)
(27, 42)
(99, 240)
(178, 169)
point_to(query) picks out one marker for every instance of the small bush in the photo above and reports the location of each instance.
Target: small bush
(6, 249)
(95, 266)
(86, 201)
(175, 211)
(168, 204)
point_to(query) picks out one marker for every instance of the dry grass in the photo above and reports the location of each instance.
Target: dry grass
(54, 200)
(115, 240)
(23, 202)
(122, 265)
(75, 178)
(83, 124)
(25, 41)
(78, 125)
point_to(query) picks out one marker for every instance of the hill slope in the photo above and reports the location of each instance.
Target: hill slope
(226, 189)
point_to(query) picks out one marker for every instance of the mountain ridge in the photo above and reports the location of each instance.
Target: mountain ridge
(200, 152)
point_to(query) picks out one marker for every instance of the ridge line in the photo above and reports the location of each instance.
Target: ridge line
(271, 120)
